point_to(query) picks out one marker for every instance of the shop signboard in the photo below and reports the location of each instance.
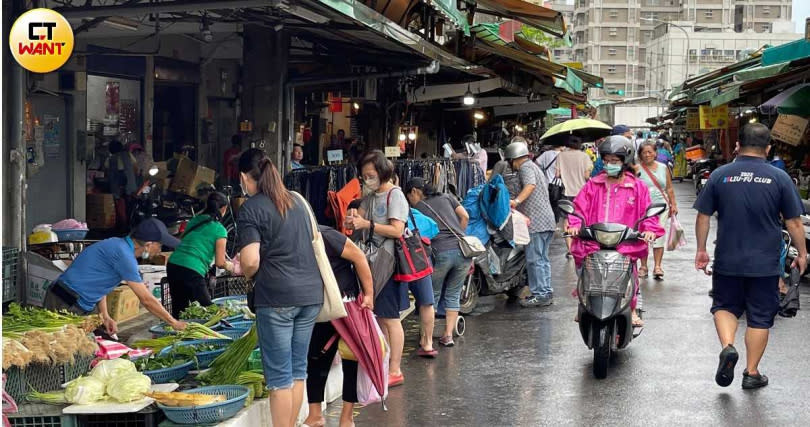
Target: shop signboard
(789, 129)
(692, 120)
(393, 151)
(713, 118)
(334, 156)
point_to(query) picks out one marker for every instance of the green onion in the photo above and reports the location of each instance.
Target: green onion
(226, 367)
(52, 398)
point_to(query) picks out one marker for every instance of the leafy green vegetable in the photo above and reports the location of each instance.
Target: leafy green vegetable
(161, 362)
(106, 370)
(226, 367)
(129, 386)
(84, 390)
(51, 398)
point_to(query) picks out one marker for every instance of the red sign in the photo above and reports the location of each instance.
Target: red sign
(335, 102)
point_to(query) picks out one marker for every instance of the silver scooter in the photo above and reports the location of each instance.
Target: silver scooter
(606, 286)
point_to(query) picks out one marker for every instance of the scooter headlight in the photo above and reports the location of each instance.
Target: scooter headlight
(608, 238)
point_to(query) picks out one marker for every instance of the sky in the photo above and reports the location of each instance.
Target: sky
(801, 10)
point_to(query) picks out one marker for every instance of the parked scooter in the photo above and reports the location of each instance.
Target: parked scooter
(607, 283)
(700, 172)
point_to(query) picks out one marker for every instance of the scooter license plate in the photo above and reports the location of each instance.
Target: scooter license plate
(703, 181)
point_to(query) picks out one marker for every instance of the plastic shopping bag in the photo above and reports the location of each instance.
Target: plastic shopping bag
(677, 237)
(366, 392)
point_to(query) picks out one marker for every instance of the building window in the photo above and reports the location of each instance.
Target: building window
(611, 52)
(613, 14)
(614, 32)
(766, 10)
(709, 14)
(611, 70)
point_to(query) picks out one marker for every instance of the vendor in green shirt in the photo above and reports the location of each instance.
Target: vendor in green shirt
(203, 242)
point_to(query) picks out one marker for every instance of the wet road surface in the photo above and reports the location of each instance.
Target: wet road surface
(529, 367)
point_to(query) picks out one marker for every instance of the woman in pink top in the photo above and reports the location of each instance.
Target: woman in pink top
(615, 195)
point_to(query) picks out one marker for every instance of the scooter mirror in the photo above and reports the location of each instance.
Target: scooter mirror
(655, 209)
(566, 206)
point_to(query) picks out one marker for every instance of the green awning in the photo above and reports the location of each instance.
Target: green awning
(450, 11)
(564, 112)
(790, 51)
(572, 84)
(726, 96)
(488, 31)
(705, 96)
(587, 77)
(548, 20)
(761, 72)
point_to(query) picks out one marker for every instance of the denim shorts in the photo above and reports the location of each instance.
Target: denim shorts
(284, 334)
(422, 291)
(450, 268)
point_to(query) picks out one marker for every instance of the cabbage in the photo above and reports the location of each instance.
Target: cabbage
(109, 369)
(84, 390)
(129, 387)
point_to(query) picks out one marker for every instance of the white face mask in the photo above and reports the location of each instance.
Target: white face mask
(145, 254)
(371, 185)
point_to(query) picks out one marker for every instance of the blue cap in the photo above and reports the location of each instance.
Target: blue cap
(153, 230)
(620, 129)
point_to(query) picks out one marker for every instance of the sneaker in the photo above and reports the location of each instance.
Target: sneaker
(447, 341)
(725, 370)
(535, 301)
(753, 381)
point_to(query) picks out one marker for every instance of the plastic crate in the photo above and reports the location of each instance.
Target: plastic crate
(70, 235)
(44, 378)
(40, 415)
(226, 286)
(11, 265)
(149, 417)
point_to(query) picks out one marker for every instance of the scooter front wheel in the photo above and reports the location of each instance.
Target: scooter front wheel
(603, 337)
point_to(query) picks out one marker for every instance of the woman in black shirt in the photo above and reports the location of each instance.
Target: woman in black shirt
(350, 265)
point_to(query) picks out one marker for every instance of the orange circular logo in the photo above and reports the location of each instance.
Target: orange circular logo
(41, 40)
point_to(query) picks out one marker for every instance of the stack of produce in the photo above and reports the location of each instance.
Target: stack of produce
(194, 331)
(186, 399)
(35, 335)
(115, 379)
(213, 311)
(225, 369)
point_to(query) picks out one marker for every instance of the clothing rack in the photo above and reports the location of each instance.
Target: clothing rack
(455, 176)
(314, 182)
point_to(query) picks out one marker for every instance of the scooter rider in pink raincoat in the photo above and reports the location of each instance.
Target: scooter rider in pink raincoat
(615, 195)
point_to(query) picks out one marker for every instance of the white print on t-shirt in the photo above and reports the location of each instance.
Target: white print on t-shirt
(748, 177)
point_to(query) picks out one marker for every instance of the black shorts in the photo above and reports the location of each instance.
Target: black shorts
(392, 299)
(757, 297)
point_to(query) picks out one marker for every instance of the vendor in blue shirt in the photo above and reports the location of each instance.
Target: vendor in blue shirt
(100, 268)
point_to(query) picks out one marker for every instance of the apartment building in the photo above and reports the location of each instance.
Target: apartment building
(612, 37)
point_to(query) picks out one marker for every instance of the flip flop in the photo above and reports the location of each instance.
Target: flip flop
(643, 272)
(428, 354)
(658, 274)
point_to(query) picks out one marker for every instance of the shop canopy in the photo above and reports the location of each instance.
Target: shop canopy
(786, 52)
(794, 100)
(539, 17)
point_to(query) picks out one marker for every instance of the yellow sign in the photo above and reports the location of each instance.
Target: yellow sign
(41, 40)
(713, 118)
(692, 120)
(789, 129)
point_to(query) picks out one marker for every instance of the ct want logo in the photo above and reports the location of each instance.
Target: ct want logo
(41, 40)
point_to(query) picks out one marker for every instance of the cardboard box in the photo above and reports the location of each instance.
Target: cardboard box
(160, 259)
(100, 211)
(190, 176)
(122, 304)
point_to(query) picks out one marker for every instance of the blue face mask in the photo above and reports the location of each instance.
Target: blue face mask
(613, 170)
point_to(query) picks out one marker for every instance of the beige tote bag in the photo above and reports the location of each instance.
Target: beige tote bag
(332, 298)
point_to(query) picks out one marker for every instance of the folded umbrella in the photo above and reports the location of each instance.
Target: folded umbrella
(790, 302)
(358, 329)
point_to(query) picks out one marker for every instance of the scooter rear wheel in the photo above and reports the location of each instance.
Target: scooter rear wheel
(470, 292)
(603, 340)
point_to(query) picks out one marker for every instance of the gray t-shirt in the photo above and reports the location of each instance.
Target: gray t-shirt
(537, 206)
(383, 209)
(286, 277)
(445, 206)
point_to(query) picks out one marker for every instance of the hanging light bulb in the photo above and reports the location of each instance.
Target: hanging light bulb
(478, 115)
(469, 99)
(412, 135)
(153, 170)
(518, 128)
(402, 136)
(356, 106)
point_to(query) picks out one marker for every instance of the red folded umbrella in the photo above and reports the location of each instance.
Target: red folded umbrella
(359, 330)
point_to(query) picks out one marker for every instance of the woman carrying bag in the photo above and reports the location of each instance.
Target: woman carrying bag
(658, 178)
(450, 266)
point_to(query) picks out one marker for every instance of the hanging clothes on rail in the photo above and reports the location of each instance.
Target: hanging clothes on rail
(315, 182)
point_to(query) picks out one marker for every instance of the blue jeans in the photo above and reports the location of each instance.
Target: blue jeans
(284, 334)
(538, 265)
(450, 268)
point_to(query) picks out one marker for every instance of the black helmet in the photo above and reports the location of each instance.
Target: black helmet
(616, 145)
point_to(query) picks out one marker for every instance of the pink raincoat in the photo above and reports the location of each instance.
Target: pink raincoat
(622, 203)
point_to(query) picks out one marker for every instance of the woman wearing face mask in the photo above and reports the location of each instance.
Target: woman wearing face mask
(615, 195)
(658, 178)
(203, 242)
(384, 205)
(275, 241)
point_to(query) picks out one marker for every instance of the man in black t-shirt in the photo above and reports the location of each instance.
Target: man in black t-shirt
(750, 198)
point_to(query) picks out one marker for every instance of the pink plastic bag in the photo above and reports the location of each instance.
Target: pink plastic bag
(677, 237)
(366, 392)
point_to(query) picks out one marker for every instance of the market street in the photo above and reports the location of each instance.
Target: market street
(529, 367)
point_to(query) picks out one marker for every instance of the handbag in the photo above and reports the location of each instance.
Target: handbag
(556, 189)
(471, 246)
(658, 186)
(413, 262)
(380, 261)
(332, 307)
